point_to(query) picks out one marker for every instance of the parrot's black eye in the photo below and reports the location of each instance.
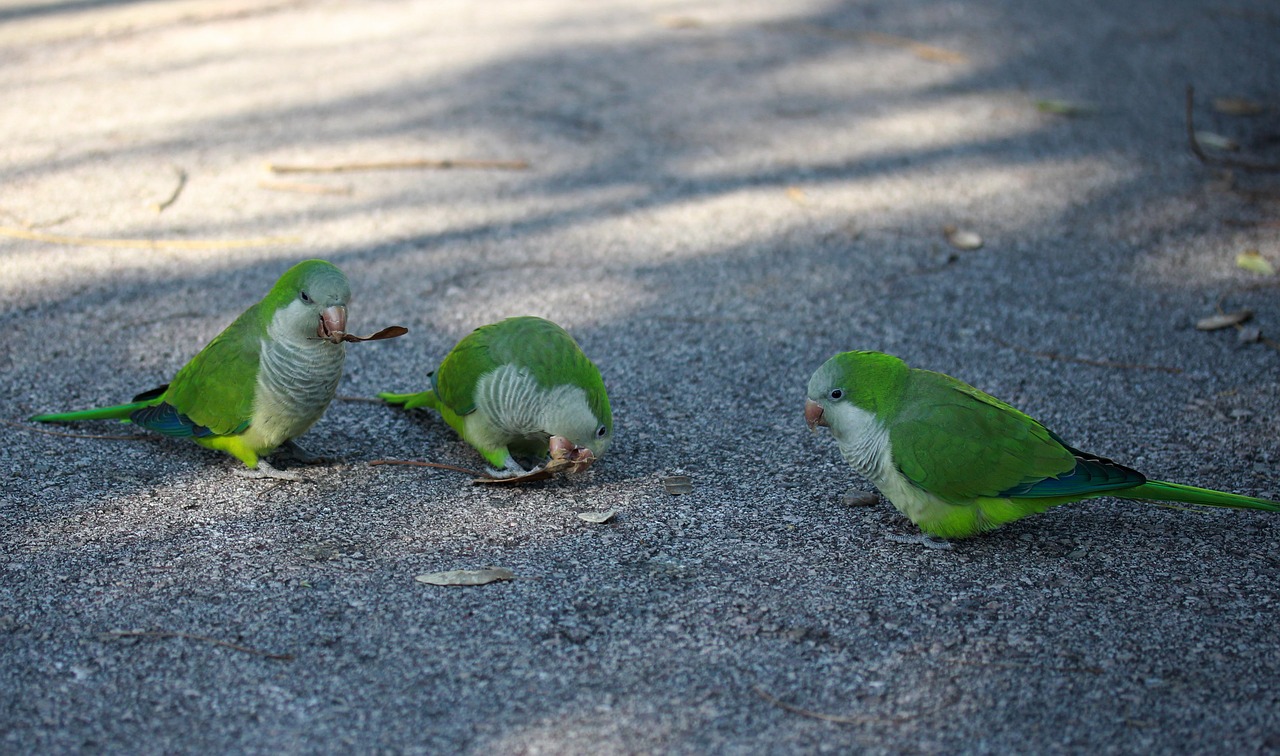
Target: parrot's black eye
(836, 394)
(305, 297)
(601, 431)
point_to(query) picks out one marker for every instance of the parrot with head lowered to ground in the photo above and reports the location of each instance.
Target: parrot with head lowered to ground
(260, 383)
(520, 389)
(958, 462)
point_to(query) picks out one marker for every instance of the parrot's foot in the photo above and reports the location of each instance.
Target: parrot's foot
(514, 473)
(295, 451)
(921, 539)
(265, 470)
(511, 468)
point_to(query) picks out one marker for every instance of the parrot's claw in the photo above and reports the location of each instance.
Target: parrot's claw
(265, 470)
(515, 474)
(922, 540)
(297, 453)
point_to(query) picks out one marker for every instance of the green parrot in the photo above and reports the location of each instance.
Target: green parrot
(958, 462)
(260, 383)
(520, 389)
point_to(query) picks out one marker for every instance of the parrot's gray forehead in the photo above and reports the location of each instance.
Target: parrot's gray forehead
(328, 281)
(823, 379)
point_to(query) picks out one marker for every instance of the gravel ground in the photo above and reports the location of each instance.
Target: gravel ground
(721, 195)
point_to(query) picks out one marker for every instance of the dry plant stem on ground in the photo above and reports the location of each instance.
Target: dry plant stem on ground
(63, 434)
(400, 165)
(1250, 166)
(170, 244)
(194, 637)
(836, 718)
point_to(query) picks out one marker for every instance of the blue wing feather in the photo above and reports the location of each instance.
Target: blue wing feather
(1092, 474)
(163, 418)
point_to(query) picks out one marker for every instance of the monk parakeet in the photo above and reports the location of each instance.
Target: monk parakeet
(958, 462)
(260, 383)
(520, 389)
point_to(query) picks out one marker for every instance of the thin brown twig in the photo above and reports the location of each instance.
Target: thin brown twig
(838, 719)
(1254, 286)
(1250, 166)
(194, 637)
(440, 465)
(30, 224)
(1257, 195)
(63, 434)
(1245, 223)
(537, 474)
(365, 399)
(919, 49)
(400, 165)
(263, 493)
(1018, 665)
(300, 188)
(1086, 361)
(164, 204)
(155, 244)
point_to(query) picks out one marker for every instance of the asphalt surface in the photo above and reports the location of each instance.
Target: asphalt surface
(720, 196)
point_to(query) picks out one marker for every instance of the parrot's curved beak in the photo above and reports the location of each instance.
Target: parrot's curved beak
(333, 324)
(813, 414)
(565, 452)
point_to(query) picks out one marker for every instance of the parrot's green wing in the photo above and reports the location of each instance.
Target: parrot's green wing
(539, 346)
(455, 380)
(962, 444)
(215, 390)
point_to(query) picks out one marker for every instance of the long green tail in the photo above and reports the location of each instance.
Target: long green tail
(1161, 491)
(118, 412)
(413, 401)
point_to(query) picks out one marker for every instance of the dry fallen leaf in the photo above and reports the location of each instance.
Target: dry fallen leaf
(482, 576)
(1217, 141)
(1226, 320)
(681, 22)
(598, 518)
(1066, 108)
(515, 480)
(1238, 106)
(546, 472)
(390, 332)
(678, 484)
(962, 238)
(1253, 261)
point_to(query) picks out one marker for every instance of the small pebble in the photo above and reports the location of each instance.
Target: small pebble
(678, 484)
(962, 238)
(1249, 335)
(1225, 320)
(598, 518)
(860, 499)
